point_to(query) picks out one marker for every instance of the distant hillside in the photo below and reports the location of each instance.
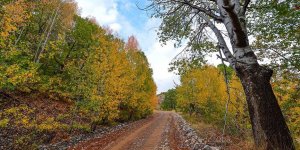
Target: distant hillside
(160, 98)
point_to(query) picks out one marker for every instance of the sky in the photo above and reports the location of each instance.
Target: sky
(126, 19)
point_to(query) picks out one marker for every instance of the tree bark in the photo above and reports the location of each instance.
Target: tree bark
(269, 128)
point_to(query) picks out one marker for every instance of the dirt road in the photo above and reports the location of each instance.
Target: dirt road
(156, 132)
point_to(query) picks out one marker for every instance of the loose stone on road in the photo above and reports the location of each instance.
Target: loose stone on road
(162, 131)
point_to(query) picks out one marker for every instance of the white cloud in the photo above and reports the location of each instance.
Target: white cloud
(149, 35)
(159, 58)
(115, 26)
(105, 12)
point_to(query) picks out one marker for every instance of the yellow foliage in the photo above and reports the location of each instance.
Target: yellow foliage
(203, 92)
(288, 95)
(19, 116)
(18, 77)
(202, 87)
(48, 125)
(15, 15)
(4, 123)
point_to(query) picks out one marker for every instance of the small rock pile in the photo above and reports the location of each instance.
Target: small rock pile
(189, 136)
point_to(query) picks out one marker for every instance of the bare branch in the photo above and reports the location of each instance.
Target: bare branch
(202, 26)
(245, 7)
(221, 41)
(203, 10)
(223, 59)
(190, 21)
(213, 1)
(171, 12)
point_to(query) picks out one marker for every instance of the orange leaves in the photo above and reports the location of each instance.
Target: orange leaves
(15, 15)
(68, 10)
(132, 44)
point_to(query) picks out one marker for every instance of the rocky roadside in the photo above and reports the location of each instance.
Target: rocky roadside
(178, 135)
(98, 133)
(77, 139)
(189, 137)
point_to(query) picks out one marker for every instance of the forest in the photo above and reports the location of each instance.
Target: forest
(61, 74)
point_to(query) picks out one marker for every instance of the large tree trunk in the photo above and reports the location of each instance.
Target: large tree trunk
(268, 124)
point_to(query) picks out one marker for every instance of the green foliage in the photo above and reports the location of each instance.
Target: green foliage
(169, 102)
(19, 115)
(229, 70)
(275, 25)
(79, 126)
(192, 57)
(4, 123)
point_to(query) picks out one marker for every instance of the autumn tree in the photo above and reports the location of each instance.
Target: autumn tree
(132, 43)
(143, 88)
(205, 90)
(185, 19)
(202, 91)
